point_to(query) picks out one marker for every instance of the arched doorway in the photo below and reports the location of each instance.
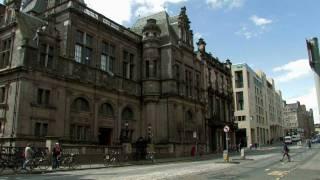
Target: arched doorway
(106, 113)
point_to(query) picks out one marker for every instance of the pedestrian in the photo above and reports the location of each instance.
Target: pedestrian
(309, 143)
(56, 155)
(28, 153)
(285, 152)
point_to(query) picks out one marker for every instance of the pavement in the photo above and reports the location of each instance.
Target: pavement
(265, 164)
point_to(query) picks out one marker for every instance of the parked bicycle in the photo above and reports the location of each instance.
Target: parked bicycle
(11, 158)
(39, 161)
(111, 158)
(151, 156)
(69, 160)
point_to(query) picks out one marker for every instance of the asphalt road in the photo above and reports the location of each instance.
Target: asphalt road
(265, 165)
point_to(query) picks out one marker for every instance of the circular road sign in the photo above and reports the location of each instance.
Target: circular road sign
(226, 128)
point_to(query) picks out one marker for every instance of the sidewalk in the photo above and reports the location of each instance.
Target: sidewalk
(219, 156)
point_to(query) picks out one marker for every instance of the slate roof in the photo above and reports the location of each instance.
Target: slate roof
(167, 24)
(28, 24)
(37, 6)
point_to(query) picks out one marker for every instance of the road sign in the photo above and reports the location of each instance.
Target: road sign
(226, 129)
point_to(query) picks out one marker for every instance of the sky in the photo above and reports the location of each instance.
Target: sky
(267, 35)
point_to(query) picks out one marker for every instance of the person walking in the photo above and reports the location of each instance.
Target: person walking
(28, 153)
(285, 152)
(309, 143)
(56, 154)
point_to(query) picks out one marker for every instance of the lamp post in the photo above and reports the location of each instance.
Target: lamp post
(196, 141)
(126, 125)
(150, 133)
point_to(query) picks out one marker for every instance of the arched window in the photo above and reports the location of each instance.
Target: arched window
(106, 110)
(189, 116)
(80, 104)
(127, 114)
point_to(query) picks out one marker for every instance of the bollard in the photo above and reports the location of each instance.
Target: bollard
(225, 156)
(243, 156)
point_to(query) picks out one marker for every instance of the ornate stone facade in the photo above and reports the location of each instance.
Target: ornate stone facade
(69, 72)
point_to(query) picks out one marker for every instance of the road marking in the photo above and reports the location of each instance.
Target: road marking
(278, 173)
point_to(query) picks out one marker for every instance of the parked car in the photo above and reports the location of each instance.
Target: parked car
(288, 139)
(315, 140)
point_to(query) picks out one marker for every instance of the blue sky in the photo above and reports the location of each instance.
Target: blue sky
(268, 35)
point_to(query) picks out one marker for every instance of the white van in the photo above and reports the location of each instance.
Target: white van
(296, 138)
(288, 139)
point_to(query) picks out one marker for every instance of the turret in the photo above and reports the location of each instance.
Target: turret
(151, 43)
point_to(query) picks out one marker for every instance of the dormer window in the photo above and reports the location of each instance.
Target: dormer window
(46, 55)
(5, 52)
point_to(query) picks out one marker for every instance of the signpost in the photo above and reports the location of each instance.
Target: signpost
(226, 129)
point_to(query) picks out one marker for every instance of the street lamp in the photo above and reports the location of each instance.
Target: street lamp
(149, 133)
(126, 125)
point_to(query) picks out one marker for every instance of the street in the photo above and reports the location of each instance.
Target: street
(263, 164)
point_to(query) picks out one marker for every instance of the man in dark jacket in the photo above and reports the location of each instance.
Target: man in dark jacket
(285, 152)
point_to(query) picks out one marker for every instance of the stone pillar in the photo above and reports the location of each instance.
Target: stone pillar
(50, 142)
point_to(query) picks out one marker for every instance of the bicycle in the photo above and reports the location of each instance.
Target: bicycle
(12, 161)
(111, 158)
(42, 162)
(68, 160)
(150, 156)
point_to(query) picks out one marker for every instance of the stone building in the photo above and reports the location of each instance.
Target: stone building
(219, 99)
(298, 120)
(72, 73)
(258, 106)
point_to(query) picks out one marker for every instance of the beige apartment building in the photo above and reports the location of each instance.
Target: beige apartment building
(258, 106)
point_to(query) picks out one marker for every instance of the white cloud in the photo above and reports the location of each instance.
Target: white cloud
(123, 10)
(119, 11)
(230, 4)
(248, 34)
(259, 21)
(257, 27)
(146, 7)
(293, 70)
(309, 99)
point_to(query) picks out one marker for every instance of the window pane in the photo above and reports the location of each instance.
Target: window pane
(103, 62)
(111, 64)
(78, 53)
(45, 129)
(88, 56)
(47, 97)
(125, 69)
(40, 94)
(112, 50)
(79, 37)
(147, 69)
(89, 40)
(2, 94)
(37, 129)
(104, 48)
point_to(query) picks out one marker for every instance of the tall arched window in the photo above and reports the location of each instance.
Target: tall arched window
(106, 110)
(80, 104)
(189, 116)
(127, 114)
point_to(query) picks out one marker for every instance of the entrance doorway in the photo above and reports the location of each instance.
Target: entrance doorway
(105, 136)
(241, 135)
